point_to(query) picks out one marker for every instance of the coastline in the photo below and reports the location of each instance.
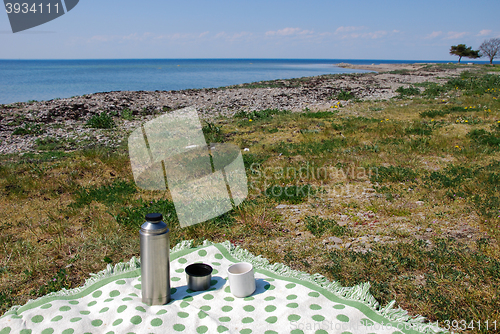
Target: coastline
(64, 119)
(385, 67)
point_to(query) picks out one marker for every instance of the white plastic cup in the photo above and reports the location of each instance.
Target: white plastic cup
(241, 279)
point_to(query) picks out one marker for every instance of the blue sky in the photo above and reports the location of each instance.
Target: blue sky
(413, 30)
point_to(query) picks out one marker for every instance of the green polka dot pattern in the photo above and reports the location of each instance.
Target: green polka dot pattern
(114, 305)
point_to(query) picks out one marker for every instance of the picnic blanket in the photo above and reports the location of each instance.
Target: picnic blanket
(285, 301)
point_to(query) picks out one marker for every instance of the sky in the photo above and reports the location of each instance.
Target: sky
(121, 29)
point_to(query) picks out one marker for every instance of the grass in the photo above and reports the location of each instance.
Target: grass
(420, 173)
(28, 129)
(102, 120)
(345, 95)
(408, 91)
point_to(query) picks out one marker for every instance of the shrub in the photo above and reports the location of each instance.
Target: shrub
(344, 96)
(410, 91)
(434, 89)
(101, 121)
(127, 114)
(28, 129)
(213, 133)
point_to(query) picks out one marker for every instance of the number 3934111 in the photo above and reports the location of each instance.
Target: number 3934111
(28, 14)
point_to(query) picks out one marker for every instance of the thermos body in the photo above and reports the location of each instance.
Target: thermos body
(155, 262)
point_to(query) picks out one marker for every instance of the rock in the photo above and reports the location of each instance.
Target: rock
(428, 229)
(334, 247)
(419, 203)
(335, 240)
(282, 206)
(347, 245)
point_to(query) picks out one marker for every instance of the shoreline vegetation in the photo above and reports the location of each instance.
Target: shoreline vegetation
(390, 177)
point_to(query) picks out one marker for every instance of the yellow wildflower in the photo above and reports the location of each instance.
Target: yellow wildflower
(250, 120)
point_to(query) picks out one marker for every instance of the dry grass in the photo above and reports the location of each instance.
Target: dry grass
(414, 197)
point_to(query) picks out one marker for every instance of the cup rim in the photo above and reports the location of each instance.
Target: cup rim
(192, 268)
(240, 263)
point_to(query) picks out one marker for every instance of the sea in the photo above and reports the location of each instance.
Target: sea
(39, 80)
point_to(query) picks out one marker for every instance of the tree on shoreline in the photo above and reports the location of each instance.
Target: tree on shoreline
(490, 48)
(461, 50)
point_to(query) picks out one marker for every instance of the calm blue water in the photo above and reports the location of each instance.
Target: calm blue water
(24, 80)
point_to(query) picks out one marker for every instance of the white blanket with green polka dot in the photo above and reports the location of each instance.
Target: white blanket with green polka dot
(285, 301)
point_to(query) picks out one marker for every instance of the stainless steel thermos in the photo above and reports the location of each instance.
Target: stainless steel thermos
(155, 263)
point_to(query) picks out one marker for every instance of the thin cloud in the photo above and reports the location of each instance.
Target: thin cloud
(455, 35)
(484, 32)
(289, 32)
(343, 29)
(234, 36)
(102, 38)
(433, 34)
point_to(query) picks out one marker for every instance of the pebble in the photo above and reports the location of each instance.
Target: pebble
(329, 247)
(210, 103)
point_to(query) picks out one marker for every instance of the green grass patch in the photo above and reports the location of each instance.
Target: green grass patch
(213, 133)
(260, 115)
(319, 114)
(58, 282)
(445, 269)
(318, 226)
(486, 138)
(127, 114)
(314, 148)
(419, 128)
(102, 120)
(50, 144)
(408, 91)
(345, 95)
(109, 194)
(392, 174)
(28, 129)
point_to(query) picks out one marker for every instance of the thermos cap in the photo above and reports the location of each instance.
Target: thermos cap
(154, 217)
(154, 224)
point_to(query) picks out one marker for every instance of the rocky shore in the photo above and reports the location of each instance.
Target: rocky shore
(63, 121)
